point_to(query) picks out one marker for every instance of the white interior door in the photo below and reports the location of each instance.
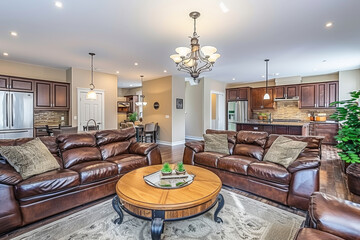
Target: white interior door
(90, 109)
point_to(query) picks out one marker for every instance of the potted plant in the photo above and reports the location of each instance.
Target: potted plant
(180, 169)
(133, 116)
(348, 114)
(166, 169)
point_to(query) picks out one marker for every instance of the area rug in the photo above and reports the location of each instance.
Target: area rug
(244, 218)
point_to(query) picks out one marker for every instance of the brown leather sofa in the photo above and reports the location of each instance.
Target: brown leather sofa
(243, 168)
(91, 164)
(330, 218)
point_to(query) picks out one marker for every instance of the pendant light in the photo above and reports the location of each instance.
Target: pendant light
(141, 101)
(267, 96)
(91, 95)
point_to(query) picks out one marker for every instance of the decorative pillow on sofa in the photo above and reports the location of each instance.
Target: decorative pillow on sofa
(29, 159)
(284, 151)
(216, 143)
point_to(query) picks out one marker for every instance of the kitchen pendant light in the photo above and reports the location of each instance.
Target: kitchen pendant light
(91, 95)
(141, 101)
(267, 96)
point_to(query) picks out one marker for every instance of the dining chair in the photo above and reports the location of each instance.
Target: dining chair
(148, 132)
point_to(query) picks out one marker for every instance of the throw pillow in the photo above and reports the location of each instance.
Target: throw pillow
(29, 159)
(284, 151)
(216, 143)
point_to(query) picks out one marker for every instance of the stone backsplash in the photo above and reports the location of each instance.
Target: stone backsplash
(51, 118)
(291, 110)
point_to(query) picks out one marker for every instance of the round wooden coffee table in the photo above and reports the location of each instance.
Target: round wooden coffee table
(141, 200)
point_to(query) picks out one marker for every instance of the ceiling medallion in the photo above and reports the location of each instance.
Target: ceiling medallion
(195, 60)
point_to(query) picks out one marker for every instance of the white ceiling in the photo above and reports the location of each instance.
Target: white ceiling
(291, 33)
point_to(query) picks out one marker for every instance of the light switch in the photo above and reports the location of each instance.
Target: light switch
(75, 117)
(167, 116)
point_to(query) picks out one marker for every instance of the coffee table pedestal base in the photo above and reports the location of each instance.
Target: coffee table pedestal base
(158, 217)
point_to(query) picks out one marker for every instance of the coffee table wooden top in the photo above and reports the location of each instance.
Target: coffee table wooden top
(132, 189)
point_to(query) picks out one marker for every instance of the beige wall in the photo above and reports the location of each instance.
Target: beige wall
(213, 106)
(32, 71)
(159, 90)
(81, 79)
(178, 115)
(348, 81)
(194, 104)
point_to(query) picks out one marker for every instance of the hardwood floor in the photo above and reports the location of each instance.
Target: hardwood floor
(332, 181)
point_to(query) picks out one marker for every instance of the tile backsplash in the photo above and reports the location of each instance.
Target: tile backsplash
(291, 110)
(51, 118)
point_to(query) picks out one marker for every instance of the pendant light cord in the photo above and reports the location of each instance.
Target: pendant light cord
(267, 74)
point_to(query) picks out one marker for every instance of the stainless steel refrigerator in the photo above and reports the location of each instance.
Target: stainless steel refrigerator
(17, 115)
(237, 113)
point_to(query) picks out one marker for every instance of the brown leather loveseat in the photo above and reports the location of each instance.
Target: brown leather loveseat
(330, 218)
(91, 164)
(243, 168)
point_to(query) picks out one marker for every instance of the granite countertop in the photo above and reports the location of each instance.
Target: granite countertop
(283, 123)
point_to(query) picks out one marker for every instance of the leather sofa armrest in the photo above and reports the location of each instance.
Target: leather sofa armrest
(196, 146)
(142, 148)
(304, 163)
(334, 215)
(8, 175)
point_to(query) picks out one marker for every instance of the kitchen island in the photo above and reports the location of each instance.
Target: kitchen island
(274, 127)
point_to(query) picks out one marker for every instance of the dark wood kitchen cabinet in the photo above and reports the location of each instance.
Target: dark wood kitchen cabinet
(235, 94)
(52, 95)
(327, 130)
(22, 85)
(290, 91)
(257, 99)
(4, 81)
(319, 95)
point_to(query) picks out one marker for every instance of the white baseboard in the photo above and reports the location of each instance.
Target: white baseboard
(194, 138)
(171, 143)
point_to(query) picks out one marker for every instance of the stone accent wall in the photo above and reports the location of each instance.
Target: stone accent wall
(291, 110)
(51, 118)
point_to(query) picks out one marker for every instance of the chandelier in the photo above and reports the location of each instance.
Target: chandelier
(195, 60)
(141, 101)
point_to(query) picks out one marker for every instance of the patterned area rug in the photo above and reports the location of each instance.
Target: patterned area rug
(244, 218)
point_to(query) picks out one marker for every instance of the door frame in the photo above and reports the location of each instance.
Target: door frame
(221, 115)
(85, 90)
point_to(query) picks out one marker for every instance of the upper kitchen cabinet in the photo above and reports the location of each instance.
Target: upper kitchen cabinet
(21, 85)
(237, 94)
(318, 95)
(4, 81)
(286, 91)
(52, 95)
(257, 99)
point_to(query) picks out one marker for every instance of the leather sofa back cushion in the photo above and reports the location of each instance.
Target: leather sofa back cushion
(249, 150)
(110, 136)
(114, 149)
(71, 141)
(313, 142)
(75, 156)
(253, 138)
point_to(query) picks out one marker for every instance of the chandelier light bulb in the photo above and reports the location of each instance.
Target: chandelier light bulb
(183, 51)
(208, 50)
(176, 58)
(214, 57)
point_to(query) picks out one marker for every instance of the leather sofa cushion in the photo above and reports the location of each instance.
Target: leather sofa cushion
(235, 163)
(114, 149)
(253, 138)
(128, 162)
(71, 141)
(49, 182)
(208, 158)
(51, 144)
(314, 234)
(249, 150)
(95, 171)
(269, 171)
(79, 155)
(111, 136)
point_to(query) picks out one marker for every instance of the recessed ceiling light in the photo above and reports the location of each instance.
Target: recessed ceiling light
(131, 85)
(136, 64)
(5, 54)
(263, 76)
(117, 72)
(223, 7)
(329, 24)
(233, 79)
(277, 74)
(165, 71)
(14, 34)
(58, 4)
